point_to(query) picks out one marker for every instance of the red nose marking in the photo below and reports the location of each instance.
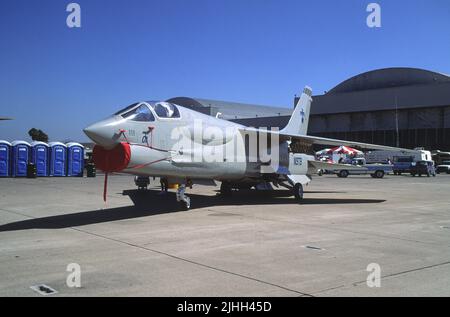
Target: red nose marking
(113, 160)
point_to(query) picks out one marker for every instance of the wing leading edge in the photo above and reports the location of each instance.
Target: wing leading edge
(309, 140)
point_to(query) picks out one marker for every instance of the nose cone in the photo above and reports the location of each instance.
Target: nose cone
(104, 133)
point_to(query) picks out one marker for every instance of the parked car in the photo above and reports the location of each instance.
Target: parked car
(423, 168)
(443, 168)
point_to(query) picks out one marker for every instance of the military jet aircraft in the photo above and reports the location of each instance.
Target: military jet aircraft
(185, 147)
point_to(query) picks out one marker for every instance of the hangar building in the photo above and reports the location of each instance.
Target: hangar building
(404, 107)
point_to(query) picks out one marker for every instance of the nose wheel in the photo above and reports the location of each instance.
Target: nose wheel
(184, 200)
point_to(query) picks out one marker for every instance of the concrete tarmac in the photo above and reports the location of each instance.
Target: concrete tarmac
(253, 244)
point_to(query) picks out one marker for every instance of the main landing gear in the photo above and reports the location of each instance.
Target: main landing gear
(226, 188)
(298, 192)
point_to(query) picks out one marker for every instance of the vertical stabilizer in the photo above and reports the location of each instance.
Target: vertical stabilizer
(298, 123)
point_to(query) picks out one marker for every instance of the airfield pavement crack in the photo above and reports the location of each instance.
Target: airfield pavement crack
(339, 229)
(17, 213)
(252, 278)
(384, 276)
(78, 191)
(194, 262)
(175, 257)
(410, 271)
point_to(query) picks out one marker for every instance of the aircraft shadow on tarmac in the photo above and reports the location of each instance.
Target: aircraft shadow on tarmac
(149, 203)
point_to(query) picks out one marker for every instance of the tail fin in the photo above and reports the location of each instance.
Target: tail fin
(298, 123)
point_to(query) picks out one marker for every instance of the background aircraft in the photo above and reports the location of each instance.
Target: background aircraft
(186, 147)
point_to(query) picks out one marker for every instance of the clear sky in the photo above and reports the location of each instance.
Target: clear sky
(60, 79)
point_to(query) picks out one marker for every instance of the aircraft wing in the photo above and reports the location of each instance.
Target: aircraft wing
(326, 141)
(309, 140)
(297, 127)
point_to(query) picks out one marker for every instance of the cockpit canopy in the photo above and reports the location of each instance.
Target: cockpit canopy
(140, 113)
(144, 111)
(165, 110)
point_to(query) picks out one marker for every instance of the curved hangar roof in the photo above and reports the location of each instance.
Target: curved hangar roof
(386, 89)
(388, 78)
(380, 89)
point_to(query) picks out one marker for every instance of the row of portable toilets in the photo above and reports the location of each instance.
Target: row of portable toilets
(52, 159)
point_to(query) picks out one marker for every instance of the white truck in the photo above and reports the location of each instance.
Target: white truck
(402, 161)
(383, 156)
(359, 166)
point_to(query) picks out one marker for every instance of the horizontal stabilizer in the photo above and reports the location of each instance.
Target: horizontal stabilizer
(334, 166)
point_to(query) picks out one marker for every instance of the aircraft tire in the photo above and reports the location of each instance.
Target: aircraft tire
(298, 192)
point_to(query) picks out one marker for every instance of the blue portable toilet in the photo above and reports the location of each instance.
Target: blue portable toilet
(75, 159)
(20, 158)
(40, 157)
(58, 154)
(5, 158)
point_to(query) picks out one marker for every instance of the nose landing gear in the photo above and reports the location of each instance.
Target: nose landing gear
(184, 200)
